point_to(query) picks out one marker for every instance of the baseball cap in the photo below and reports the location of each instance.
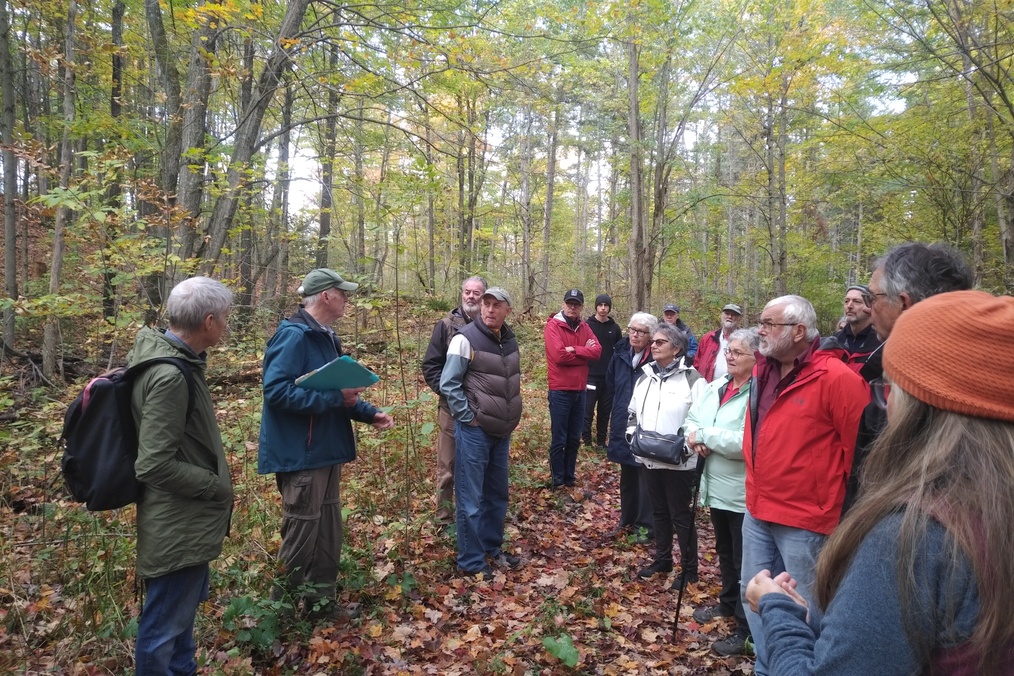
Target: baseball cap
(322, 279)
(671, 307)
(732, 307)
(499, 294)
(574, 294)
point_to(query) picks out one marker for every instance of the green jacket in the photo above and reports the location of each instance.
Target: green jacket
(184, 513)
(720, 428)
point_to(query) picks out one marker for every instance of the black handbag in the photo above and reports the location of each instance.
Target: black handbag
(668, 448)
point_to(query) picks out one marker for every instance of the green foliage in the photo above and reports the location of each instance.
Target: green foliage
(255, 621)
(562, 648)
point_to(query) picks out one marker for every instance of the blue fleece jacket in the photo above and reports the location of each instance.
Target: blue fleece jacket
(863, 631)
(302, 428)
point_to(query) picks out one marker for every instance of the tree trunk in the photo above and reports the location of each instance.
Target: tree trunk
(10, 173)
(327, 168)
(51, 364)
(359, 189)
(194, 115)
(249, 130)
(526, 211)
(639, 263)
(547, 219)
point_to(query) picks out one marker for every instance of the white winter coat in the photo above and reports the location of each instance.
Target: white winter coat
(660, 402)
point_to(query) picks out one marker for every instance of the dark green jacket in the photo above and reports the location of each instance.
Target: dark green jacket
(184, 513)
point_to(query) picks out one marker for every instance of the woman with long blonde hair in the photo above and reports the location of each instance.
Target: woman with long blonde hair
(918, 578)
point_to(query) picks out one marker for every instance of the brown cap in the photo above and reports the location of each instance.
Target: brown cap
(983, 325)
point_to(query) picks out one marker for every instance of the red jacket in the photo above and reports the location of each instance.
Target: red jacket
(569, 370)
(707, 353)
(797, 467)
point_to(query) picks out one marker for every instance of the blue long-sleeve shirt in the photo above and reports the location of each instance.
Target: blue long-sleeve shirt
(863, 630)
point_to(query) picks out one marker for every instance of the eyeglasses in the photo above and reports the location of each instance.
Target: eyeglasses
(640, 332)
(768, 325)
(735, 353)
(659, 342)
(881, 388)
(873, 296)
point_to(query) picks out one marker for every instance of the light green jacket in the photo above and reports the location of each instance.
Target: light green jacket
(183, 515)
(720, 428)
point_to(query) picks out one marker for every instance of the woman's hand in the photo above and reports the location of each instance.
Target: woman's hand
(783, 583)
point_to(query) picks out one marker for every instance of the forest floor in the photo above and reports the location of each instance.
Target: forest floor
(576, 592)
(68, 603)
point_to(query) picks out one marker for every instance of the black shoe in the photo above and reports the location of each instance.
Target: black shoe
(655, 567)
(729, 646)
(504, 560)
(683, 579)
(327, 610)
(485, 571)
(705, 615)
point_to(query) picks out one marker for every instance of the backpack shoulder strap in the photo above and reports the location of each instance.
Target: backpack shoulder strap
(186, 369)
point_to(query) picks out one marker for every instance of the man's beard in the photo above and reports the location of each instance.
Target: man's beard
(774, 347)
(471, 309)
(729, 326)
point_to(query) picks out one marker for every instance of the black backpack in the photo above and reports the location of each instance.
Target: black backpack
(99, 438)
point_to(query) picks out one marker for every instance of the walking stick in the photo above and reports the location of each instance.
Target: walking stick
(693, 524)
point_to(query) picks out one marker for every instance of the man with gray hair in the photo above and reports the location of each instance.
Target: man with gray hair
(907, 274)
(801, 425)
(184, 516)
(432, 366)
(306, 437)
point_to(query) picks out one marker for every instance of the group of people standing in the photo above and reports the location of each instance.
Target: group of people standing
(860, 487)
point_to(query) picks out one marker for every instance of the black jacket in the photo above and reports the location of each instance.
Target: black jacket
(608, 333)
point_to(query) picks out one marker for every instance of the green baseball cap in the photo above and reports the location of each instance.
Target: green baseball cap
(323, 279)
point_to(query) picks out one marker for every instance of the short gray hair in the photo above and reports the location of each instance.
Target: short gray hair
(749, 337)
(647, 320)
(923, 270)
(193, 299)
(797, 310)
(475, 278)
(674, 336)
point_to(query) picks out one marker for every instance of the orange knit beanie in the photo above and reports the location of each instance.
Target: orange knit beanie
(974, 326)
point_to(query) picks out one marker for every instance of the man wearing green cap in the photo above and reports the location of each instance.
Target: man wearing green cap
(306, 436)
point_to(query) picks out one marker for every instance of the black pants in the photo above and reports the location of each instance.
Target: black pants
(671, 492)
(635, 505)
(729, 547)
(602, 399)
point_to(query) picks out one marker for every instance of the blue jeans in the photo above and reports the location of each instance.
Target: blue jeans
(480, 494)
(778, 548)
(566, 418)
(165, 632)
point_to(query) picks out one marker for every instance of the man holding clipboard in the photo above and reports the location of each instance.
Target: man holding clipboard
(306, 436)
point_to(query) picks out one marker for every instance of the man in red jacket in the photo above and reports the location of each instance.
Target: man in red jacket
(800, 433)
(570, 347)
(710, 360)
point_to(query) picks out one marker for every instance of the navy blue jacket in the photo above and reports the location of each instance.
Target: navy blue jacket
(302, 428)
(620, 377)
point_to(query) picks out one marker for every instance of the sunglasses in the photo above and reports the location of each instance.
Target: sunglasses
(659, 342)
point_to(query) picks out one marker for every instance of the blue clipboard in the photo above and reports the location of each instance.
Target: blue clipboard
(338, 374)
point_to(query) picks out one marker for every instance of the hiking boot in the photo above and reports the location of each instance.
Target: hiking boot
(328, 610)
(485, 571)
(655, 567)
(504, 560)
(705, 615)
(683, 579)
(729, 646)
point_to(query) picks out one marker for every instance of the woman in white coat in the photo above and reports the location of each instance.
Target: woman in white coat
(660, 401)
